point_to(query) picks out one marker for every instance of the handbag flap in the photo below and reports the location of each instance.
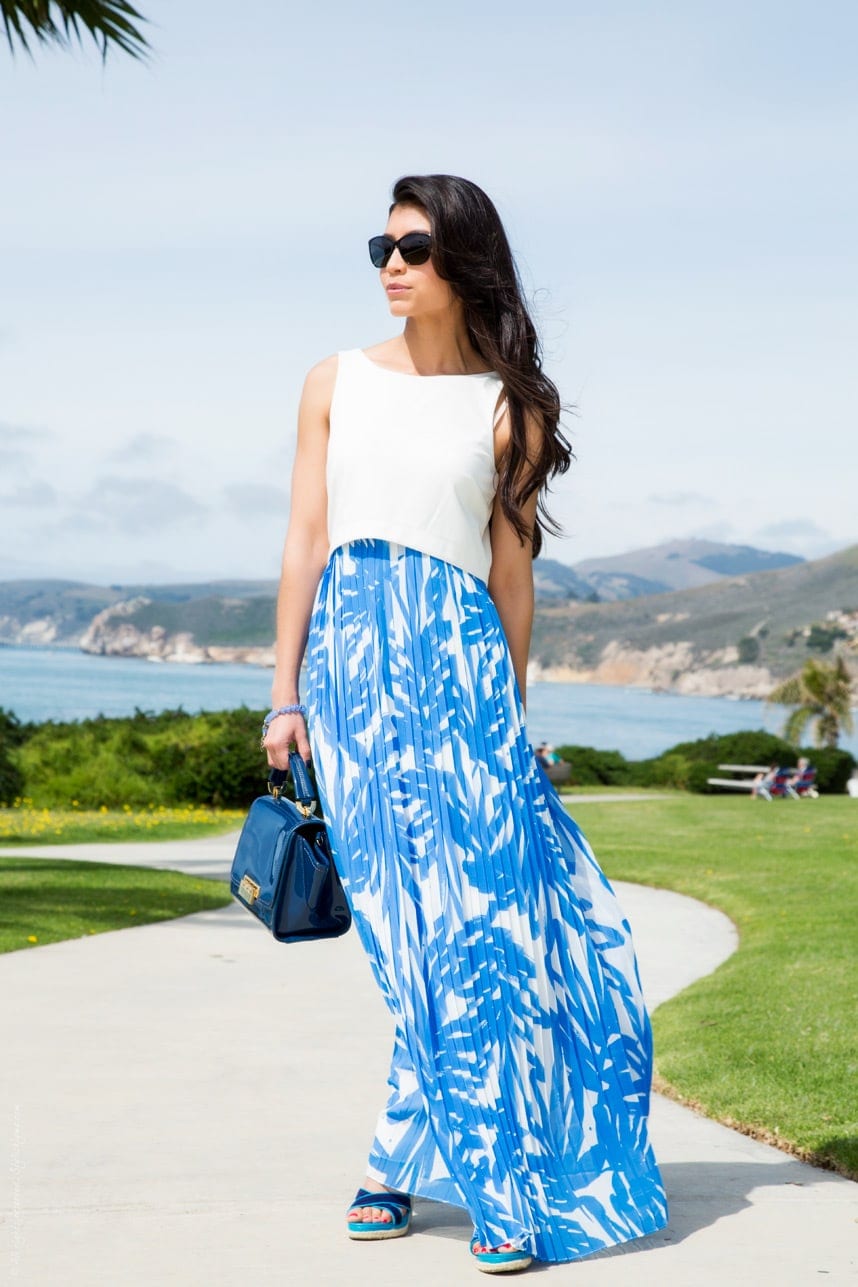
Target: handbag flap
(261, 850)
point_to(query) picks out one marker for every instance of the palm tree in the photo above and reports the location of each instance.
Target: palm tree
(822, 693)
(109, 22)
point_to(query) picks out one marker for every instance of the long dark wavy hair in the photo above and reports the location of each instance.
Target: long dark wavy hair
(470, 250)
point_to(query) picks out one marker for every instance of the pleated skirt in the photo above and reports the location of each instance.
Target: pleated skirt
(520, 1077)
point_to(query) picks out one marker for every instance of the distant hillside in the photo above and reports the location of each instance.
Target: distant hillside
(553, 580)
(675, 565)
(734, 636)
(59, 613)
(223, 613)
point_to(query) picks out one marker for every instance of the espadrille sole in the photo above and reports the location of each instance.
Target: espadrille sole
(370, 1231)
(501, 1262)
(398, 1205)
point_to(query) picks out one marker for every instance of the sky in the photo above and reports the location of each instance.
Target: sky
(181, 239)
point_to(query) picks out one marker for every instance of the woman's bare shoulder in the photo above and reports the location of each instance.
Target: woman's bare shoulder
(323, 374)
(320, 379)
(318, 391)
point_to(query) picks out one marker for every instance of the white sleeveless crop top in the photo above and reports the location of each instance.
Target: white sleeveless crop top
(411, 460)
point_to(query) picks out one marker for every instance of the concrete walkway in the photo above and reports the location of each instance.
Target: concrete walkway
(191, 1103)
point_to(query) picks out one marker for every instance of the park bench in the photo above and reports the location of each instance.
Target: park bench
(779, 786)
(738, 784)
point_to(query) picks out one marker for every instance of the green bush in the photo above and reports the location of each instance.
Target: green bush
(749, 650)
(593, 768)
(12, 734)
(823, 637)
(670, 770)
(218, 762)
(699, 775)
(754, 746)
(95, 762)
(833, 768)
(170, 758)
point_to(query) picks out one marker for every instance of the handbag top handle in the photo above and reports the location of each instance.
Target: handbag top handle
(305, 796)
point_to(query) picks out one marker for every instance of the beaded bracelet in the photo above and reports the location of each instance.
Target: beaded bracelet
(296, 709)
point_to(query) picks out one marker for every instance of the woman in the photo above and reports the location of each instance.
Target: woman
(519, 1087)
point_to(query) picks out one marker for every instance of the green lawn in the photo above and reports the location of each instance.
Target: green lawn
(769, 1042)
(44, 900)
(28, 824)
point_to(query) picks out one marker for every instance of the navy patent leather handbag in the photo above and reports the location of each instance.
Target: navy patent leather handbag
(283, 871)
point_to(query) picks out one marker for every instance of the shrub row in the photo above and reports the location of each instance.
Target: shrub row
(214, 758)
(689, 765)
(169, 758)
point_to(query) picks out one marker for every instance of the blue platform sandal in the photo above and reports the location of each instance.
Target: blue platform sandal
(496, 1261)
(399, 1206)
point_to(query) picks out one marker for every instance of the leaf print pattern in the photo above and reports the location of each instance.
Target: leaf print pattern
(519, 1084)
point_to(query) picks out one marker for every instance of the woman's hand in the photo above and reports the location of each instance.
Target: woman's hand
(286, 733)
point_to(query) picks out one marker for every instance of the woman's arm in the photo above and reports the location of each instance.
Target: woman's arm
(511, 576)
(305, 553)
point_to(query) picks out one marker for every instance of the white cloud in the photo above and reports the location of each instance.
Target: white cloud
(78, 525)
(679, 499)
(19, 443)
(139, 505)
(798, 536)
(12, 459)
(257, 500)
(718, 530)
(23, 436)
(143, 447)
(32, 496)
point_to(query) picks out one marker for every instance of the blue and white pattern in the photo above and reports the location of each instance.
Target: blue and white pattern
(519, 1087)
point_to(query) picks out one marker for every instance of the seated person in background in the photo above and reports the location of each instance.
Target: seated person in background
(546, 755)
(766, 779)
(800, 769)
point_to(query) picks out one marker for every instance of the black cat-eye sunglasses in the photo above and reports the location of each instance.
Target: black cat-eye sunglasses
(414, 247)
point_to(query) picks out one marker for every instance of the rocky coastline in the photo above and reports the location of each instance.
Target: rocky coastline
(109, 635)
(668, 668)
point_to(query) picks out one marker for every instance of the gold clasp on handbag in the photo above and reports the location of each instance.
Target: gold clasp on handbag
(304, 809)
(248, 890)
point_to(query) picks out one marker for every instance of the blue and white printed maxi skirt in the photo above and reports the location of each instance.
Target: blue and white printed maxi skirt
(519, 1087)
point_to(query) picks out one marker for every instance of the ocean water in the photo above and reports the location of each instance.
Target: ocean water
(41, 684)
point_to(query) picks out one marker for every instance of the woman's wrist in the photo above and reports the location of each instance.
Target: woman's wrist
(285, 693)
(289, 708)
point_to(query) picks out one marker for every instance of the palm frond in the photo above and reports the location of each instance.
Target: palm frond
(797, 722)
(109, 22)
(822, 693)
(787, 693)
(827, 729)
(817, 681)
